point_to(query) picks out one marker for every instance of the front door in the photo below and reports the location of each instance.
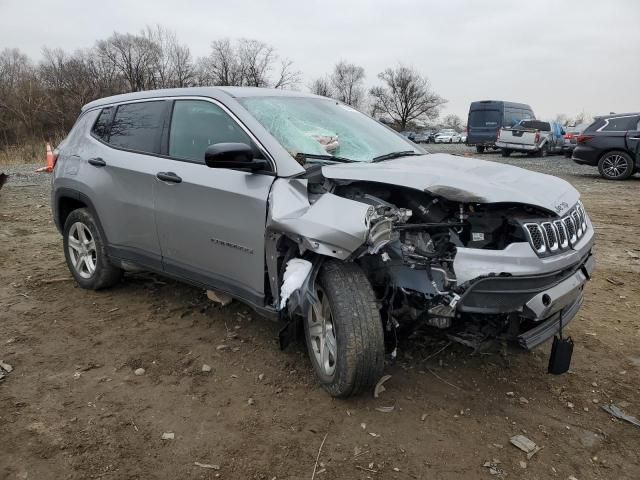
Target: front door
(211, 222)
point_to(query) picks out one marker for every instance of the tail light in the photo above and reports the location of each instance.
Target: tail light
(537, 137)
(583, 138)
(568, 136)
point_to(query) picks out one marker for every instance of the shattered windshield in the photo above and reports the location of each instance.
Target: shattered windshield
(325, 129)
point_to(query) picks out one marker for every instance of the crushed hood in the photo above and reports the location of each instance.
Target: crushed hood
(464, 179)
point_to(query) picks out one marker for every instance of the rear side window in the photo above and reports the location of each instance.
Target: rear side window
(101, 127)
(138, 126)
(197, 124)
(484, 118)
(620, 124)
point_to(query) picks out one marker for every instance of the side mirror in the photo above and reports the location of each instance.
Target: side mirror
(237, 156)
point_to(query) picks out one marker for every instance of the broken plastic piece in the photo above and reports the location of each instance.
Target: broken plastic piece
(222, 298)
(294, 276)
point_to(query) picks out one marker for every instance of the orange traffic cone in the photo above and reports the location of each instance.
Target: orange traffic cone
(49, 167)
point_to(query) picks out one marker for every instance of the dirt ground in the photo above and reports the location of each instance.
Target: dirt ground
(73, 408)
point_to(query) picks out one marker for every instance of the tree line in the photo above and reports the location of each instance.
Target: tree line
(41, 100)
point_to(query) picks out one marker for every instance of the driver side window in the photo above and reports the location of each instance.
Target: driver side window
(198, 124)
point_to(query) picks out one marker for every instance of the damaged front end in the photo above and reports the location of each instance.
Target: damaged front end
(445, 258)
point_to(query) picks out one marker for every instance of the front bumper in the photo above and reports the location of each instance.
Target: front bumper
(540, 301)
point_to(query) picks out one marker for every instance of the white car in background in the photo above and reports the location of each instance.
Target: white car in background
(448, 136)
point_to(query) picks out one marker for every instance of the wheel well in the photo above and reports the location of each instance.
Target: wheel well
(615, 150)
(66, 205)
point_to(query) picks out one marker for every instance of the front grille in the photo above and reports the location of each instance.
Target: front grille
(549, 237)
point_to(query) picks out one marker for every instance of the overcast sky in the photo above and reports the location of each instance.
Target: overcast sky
(558, 56)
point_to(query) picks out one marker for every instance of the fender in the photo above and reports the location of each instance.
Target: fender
(64, 192)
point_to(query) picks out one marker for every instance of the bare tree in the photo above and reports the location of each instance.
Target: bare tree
(246, 63)
(453, 121)
(321, 86)
(347, 81)
(135, 57)
(406, 96)
(172, 65)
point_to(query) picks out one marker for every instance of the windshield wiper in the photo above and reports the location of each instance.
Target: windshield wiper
(329, 158)
(392, 155)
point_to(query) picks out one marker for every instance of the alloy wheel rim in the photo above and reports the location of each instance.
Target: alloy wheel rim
(615, 165)
(322, 335)
(82, 250)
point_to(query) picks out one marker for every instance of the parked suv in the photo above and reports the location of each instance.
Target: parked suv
(612, 143)
(314, 213)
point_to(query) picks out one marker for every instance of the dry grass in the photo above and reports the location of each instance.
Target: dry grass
(29, 152)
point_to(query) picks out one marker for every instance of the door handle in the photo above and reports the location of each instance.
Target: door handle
(97, 162)
(168, 177)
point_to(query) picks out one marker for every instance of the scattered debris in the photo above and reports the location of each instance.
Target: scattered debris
(373, 434)
(526, 445)
(221, 347)
(218, 297)
(6, 367)
(386, 409)
(380, 386)
(423, 417)
(632, 254)
(168, 436)
(510, 394)
(261, 377)
(56, 280)
(523, 464)
(614, 410)
(363, 426)
(207, 465)
(570, 405)
(206, 368)
(250, 401)
(113, 310)
(139, 371)
(615, 281)
(523, 400)
(315, 467)
(493, 466)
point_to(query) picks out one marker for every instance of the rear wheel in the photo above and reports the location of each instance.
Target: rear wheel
(505, 152)
(616, 165)
(543, 152)
(86, 253)
(343, 331)
(479, 148)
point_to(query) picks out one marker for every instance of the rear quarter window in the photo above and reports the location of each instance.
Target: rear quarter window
(620, 124)
(103, 122)
(138, 126)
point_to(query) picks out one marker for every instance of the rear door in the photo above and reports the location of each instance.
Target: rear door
(483, 125)
(211, 222)
(126, 140)
(633, 141)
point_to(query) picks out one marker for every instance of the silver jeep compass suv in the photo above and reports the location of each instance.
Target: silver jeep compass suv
(313, 213)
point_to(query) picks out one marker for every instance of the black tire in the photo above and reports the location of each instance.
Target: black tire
(543, 152)
(357, 327)
(451, 140)
(104, 274)
(616, 165)
(479, 149)
(505, 152)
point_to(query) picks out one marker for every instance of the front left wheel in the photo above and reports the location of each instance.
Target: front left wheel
(343, 331)
(86, 253)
